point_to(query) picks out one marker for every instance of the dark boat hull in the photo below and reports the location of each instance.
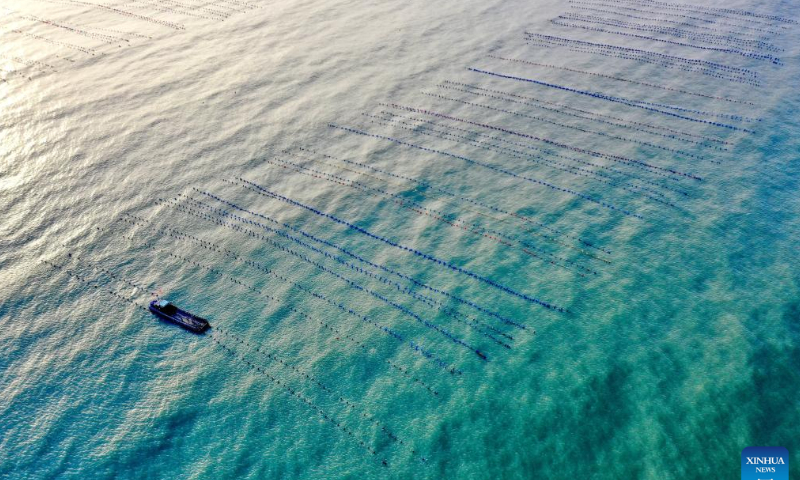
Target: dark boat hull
(182, 318)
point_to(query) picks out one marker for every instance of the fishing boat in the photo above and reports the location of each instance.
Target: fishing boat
(170, 312)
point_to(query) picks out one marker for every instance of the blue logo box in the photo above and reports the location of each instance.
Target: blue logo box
(765, 463)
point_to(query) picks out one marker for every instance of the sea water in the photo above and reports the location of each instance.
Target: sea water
(678, 353)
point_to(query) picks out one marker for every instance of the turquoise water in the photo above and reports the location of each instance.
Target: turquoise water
(679, 352)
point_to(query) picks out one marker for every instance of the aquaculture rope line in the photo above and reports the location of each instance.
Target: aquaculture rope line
(495, 168)
(619, 5)
(434, 304)
(275, 380)
(608, 156)
(422, 351)
(717, 70)
(618, 122)
(338, 424)
(683, 24)
(712, 38)
(137, 221)
(714, 11)
(493, 208)
(627, 80)
(755, 82)
(361, 173)
(107, 39)
(535, 159)
(610, 99)
(627, 175)
(124, 13)
(635, 82)
(374, 294)
(735, 51)
(425, 256)
(509, 237)
(441, 217)
(356, 257)
(563, 125)
(426, 127)
(272, 356)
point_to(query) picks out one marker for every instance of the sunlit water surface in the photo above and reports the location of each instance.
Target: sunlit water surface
(683, 349)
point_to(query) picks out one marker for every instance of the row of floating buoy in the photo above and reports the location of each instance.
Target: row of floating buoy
(44, 67)
(498, 237)
(372, 293)
(107, 39)
(523, 243)
(115, 32)
(296, 393)
(753, 17)
(339, 335)
(400, 288)
(169, 7)
(620, 12)
(597, 168)
(704, 67)
(480, 278)
(711, 38)
(125, 13)
(735, 51)
(654, 169)
(705, 113)
(212, 11)
(437, 360)
(103, 38)
(274, 357)
(604, 173)
(563, 125)
(413, 377)
(339, 165)
(610, 98)
(684, 19)
(425, 300)
(377, 266)
(573, 170)
(614, 121)
(429, 302)
(426, 185)
(336, 333)
(70, 46)
(446, 129)
(497, 169)
(105, 290)
(621, 79)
